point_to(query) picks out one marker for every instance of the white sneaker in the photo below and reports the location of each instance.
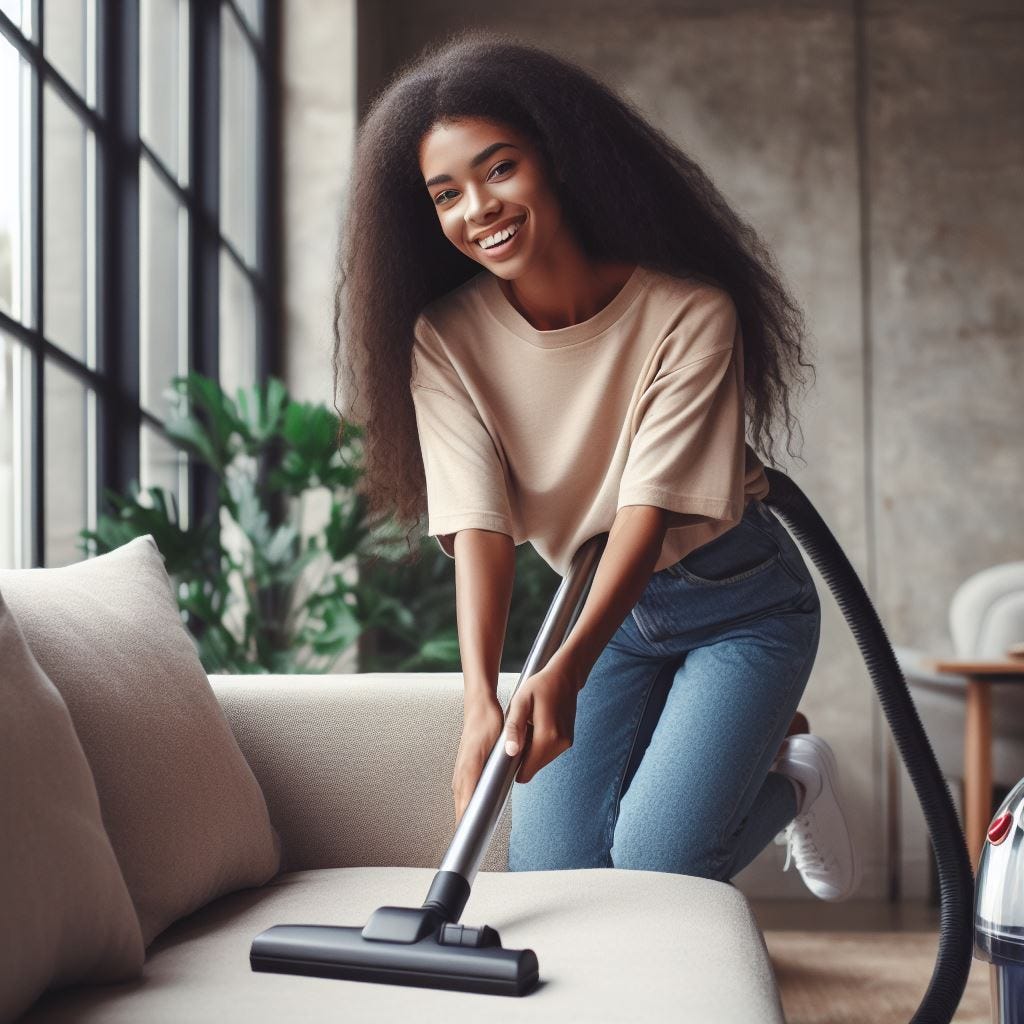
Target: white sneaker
(817, 838)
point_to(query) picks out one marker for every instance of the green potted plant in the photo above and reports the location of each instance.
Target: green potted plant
(264, 591)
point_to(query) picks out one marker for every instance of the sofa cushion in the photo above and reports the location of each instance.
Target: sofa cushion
(613, 945)
(67, 915)
(184, 812)
(357, 767)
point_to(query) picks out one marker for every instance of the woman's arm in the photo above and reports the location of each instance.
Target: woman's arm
(485, 563)
(547, 700)
(630, 555)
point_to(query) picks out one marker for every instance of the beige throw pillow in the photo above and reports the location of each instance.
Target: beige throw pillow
(66, 914)
(184, 812)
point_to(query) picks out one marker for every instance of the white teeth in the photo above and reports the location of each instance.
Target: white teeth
(499, 236)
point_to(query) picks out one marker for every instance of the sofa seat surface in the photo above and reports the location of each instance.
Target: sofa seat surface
(612, 944)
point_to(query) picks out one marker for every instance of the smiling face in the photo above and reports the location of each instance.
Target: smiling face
(482, 177)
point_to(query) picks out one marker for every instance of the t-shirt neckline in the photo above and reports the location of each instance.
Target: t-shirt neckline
(505, 313)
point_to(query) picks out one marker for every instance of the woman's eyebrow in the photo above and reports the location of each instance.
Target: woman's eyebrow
(478, 159)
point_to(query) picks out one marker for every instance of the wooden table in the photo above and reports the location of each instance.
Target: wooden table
(978, 740)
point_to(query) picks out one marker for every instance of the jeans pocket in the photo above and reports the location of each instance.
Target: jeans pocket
(744, 551)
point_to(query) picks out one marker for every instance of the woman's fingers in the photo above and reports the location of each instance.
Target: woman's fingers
(481, 727)
(546, 703)
(545, 745)
(546, 739)
(462, 796)
(519, 712)
(462, 784)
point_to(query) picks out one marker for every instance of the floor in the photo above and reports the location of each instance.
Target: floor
(846, 963)
(851, 916)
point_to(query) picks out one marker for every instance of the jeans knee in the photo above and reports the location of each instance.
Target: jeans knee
(554, 853)
(696, 856)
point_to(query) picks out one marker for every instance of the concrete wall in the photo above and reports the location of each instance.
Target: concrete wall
(946, 201)
(878, 150)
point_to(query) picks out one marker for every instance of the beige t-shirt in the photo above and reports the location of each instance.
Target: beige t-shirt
(545, 435)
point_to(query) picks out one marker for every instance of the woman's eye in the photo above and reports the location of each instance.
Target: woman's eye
(439, 198)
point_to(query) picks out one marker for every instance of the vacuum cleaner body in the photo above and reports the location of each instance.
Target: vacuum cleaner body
(999, 908)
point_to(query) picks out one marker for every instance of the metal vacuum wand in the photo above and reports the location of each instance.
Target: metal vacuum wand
(476, 827)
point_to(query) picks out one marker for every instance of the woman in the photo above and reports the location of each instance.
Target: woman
(554, 327)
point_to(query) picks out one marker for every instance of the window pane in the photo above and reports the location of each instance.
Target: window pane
(67, 461)
(163, 320)
(252, 11)
(162, 465)
(66, 39)
(15, 85)
(239, 156)
(15, 455)
(237, 328)
(163, 82)
(12, 8)
(20, 12)
(65, 188)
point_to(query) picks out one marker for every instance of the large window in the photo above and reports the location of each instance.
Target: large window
(138, 190)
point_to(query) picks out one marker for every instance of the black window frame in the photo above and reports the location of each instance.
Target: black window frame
(120, 149)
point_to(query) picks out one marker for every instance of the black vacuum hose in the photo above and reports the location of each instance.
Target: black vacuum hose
(956, 880)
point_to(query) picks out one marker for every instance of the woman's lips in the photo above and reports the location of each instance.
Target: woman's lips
(504, 247)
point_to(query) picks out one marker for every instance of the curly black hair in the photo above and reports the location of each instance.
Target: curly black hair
(393, 257)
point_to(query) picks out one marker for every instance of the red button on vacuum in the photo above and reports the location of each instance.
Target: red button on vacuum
(999, 828)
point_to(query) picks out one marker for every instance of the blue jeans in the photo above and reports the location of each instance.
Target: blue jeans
(680, 718)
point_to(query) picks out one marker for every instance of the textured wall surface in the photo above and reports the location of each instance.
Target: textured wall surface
(945, 197)
(878, 150)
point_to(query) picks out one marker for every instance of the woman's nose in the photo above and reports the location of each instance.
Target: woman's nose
(480, 206)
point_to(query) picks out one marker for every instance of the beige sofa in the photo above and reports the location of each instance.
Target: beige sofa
(356, 770)
(356, 773)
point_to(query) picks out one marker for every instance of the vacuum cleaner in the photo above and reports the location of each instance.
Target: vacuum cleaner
(999, 909)
(427, 946)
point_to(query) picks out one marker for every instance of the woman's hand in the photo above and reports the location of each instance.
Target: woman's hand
(482, 721)
(547, 700)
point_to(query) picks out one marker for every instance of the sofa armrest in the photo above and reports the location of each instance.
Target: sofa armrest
(357, 768)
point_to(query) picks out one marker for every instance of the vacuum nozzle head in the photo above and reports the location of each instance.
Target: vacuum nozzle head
(399, 946)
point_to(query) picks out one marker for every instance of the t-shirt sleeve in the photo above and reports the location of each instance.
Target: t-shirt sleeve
(688, 452)
(465, 481)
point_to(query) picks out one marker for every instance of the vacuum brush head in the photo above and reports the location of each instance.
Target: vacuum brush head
(399, 946)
